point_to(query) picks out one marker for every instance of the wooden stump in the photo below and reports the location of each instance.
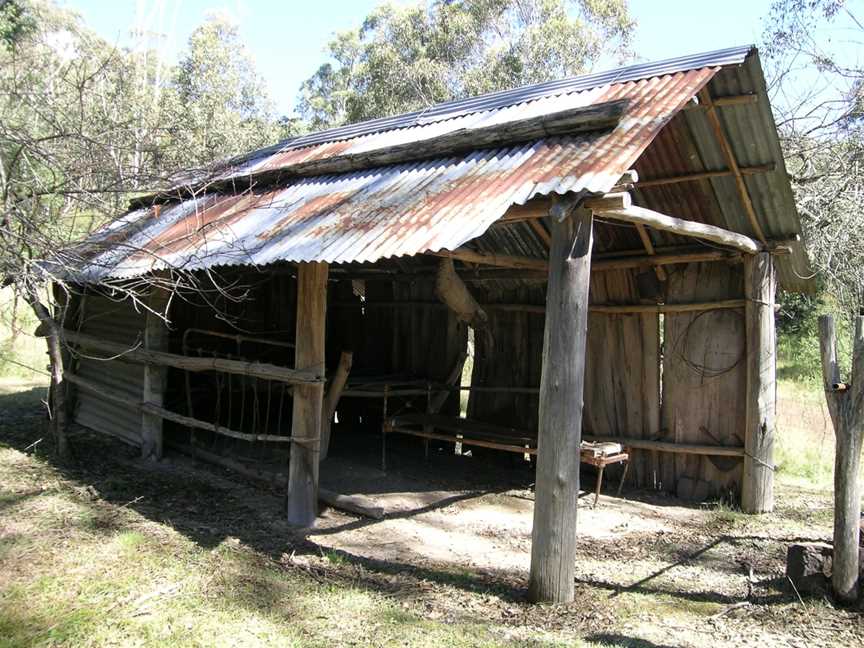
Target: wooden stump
(553, 538)
(302, 505)
(808, 566)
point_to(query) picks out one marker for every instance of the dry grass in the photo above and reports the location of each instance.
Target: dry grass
(111, 551)
(86, 561)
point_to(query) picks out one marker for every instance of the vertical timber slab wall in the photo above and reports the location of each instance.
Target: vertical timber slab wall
(622, 374)
(704, 380)
(509, 355)
(113, 321)
(427, 341)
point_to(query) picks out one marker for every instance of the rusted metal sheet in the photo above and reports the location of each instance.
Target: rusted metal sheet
(504, 104)
(397, 210)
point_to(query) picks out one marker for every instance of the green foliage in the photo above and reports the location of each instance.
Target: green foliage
(22, 356)
(798, 337)
(223, 107)
(817, 96)
(15, 22)
(406, 58)
(84, 126)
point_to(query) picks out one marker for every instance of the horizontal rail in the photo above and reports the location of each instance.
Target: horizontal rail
(458, 438)
(669, 446)
(237, 337)
(537, 309)
(239, 367)
(151, 408)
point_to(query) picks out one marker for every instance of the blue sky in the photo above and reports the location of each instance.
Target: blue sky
(287, 38)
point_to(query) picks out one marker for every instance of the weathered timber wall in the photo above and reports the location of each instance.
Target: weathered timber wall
(622, 382)
(704, 380)
(508, 354)
(114, 321)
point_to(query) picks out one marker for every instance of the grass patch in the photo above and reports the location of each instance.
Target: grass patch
(77, 570)
(22, 355)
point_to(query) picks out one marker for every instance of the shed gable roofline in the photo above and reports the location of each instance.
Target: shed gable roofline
(513, 97)
(337, 139)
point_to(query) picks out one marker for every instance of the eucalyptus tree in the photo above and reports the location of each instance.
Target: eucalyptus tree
(222, 102)
(817, 86)
(84, 126)
(410, 57)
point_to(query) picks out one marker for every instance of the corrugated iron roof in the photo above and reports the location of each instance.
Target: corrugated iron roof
(411, 208)
(397, 210)
(495, 101)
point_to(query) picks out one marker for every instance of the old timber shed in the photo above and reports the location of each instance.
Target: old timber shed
(613, 239)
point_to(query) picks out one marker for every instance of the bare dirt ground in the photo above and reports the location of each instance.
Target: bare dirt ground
(455, 548)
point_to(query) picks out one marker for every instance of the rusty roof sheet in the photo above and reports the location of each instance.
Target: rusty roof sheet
(397, 210)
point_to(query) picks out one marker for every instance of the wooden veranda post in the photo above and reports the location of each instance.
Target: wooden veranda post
(302, 504)
(155, 375)
(845, 402)
(553, 538)
(757, 488)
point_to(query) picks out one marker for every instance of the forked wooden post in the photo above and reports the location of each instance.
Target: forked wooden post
(302, 507)
(844, 404)
(155, 376)
(331, 400)
(553, 539)
(757, 487)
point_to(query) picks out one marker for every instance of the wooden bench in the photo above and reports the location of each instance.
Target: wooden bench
(593, 454)
(487, 435)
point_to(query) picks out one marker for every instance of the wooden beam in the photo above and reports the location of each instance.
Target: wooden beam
(143, 356)
(704, 175)
(331, 400)
(620, 200)
(649, 248)
(553, 537)
(537, 309)
(302, 505)
(728, 100)
(155, 376)
(540, 231)
(731, 162)
(600, 116)
(757, 486)
(669, 446)
(684, 228)
(690, 307)
(500, 260)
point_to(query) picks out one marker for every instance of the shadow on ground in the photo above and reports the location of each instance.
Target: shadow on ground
(211, 505)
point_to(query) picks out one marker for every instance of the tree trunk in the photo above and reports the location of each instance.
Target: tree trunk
(57, 400)
(757, 488)
(302, 507)
(844, 405)
(553, 538)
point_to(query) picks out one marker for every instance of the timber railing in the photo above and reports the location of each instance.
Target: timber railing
(135, 354)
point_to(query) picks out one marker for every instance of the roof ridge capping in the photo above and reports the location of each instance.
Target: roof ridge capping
(515, 96)
(602, 116)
